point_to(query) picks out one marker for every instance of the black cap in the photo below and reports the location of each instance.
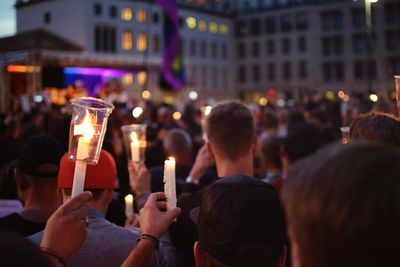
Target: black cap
(40, 156)
(239, 211)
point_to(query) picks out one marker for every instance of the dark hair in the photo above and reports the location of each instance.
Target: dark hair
(302, 140)
(270, 148)
(230, 129)
(342, 205)
(270, 120)
(376, 126)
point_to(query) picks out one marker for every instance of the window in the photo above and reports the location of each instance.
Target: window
(271, 72)
(255, 27)
(331, 20)
(358, 68)
(214, 50)
(327, 72)
(270, 25)
(156, 18)
(270, 47)
(358, 18)
(224, 77)
(302, 70)
(127, 40)
(126, 14)
(371, 70)
(241, 29)
(104, 39)
(392, 66)
(256, 73)
(241, 50)
(141, 44)
(390, 14)
(255, 48)
(338, 45)
(213, 27)
(392, 40)
(224, 51)
(287, 71)
(286, 46)
(203, 48)
(332, 45)
(141, 15)
(241, 74)
(223, 28)
(302, 20)
(215, 76)
(359, 43)
(204, 76)
(193, 46)
(286, 23)
(339, 71)
(113, 11)
(202, 26)
(156, 44)
(191, 22)
(97, 9)
(302, 44)
(47, 18)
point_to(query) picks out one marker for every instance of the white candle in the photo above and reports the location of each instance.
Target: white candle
(169, 183)
(128, 205)
(86, 130)
(135, 148)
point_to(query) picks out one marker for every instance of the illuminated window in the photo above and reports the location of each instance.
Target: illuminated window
(141, 15)
(126, 14)
(191, 22)
(223, 28)
(141, 44)
(213, 27)
(202, 25)
(127, 39)
(142, 77)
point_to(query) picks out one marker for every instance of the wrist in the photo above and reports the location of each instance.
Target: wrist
(149, 239)
(54, 255)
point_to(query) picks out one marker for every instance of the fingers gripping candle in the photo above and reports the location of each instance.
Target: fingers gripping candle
(169, 183)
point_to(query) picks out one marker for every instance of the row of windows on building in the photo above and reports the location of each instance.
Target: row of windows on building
(208, 76)
(330, 20)
(201, 25)
(271, 47)
(330, 45)
(271, 72)
(126, 13)
(105, 40)
(332, 71)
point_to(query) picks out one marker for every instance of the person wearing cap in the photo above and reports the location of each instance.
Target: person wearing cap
(36, 179)
(230, 233)
(106, 244)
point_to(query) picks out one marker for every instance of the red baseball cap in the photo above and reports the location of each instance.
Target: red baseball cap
(103, 175)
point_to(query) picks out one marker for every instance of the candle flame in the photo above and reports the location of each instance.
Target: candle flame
(129, 198)
(88, 130)
(134, 138)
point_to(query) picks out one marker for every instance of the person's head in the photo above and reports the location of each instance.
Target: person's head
(342, 206)
(240, 222)
(270, 148)
(37, 168)
(270, 120)
(230, 131)
(302, 140)
(178, 144)
(100, 179)
(376, 126)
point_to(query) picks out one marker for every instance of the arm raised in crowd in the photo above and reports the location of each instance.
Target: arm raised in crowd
(66, 229)
(153, 224)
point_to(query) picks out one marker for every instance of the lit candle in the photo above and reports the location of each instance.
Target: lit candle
(128, 206)
(135, 148)
(86, 130)
(169, 183)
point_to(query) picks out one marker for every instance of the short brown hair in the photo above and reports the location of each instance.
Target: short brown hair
(342, 206)
(230, 129)
(376, 126)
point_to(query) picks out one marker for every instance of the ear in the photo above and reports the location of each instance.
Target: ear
(198, 255)
(210, 150)
(109, 194)
(21, 181)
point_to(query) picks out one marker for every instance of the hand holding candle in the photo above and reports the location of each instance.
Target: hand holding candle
(169, 183)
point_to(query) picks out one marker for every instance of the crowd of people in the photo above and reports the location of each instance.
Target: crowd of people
(256, 186)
